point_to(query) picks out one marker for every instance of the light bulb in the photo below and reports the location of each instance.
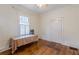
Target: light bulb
(41, 5)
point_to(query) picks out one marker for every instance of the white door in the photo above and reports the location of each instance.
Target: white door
(56, 29)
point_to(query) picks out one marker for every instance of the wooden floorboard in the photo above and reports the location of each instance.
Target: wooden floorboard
(43, 47)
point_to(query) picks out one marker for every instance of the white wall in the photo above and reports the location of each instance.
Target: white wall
(61, 25)
(9, 22)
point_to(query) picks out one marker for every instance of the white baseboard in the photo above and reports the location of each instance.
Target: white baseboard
(4, 49)
(71, 44)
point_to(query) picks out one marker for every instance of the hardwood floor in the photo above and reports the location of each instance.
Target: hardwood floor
(43, 47)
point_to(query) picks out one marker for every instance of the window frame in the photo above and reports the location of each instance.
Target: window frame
(27, 25)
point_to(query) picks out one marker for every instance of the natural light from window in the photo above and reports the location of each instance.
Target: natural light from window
(24, 25)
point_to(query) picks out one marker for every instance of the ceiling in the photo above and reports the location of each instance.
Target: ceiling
(49, 7)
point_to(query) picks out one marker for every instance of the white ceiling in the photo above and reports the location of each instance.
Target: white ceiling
(34, 8)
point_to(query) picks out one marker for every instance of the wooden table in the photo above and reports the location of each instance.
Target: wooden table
(22, 40)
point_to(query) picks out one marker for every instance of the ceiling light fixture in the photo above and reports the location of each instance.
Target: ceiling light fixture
(41, 5)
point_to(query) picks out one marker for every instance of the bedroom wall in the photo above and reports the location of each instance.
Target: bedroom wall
(61, 25)
(9, 22)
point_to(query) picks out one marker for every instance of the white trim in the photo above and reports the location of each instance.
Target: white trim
(4, 49)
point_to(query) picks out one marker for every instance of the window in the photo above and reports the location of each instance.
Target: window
(24, 25)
